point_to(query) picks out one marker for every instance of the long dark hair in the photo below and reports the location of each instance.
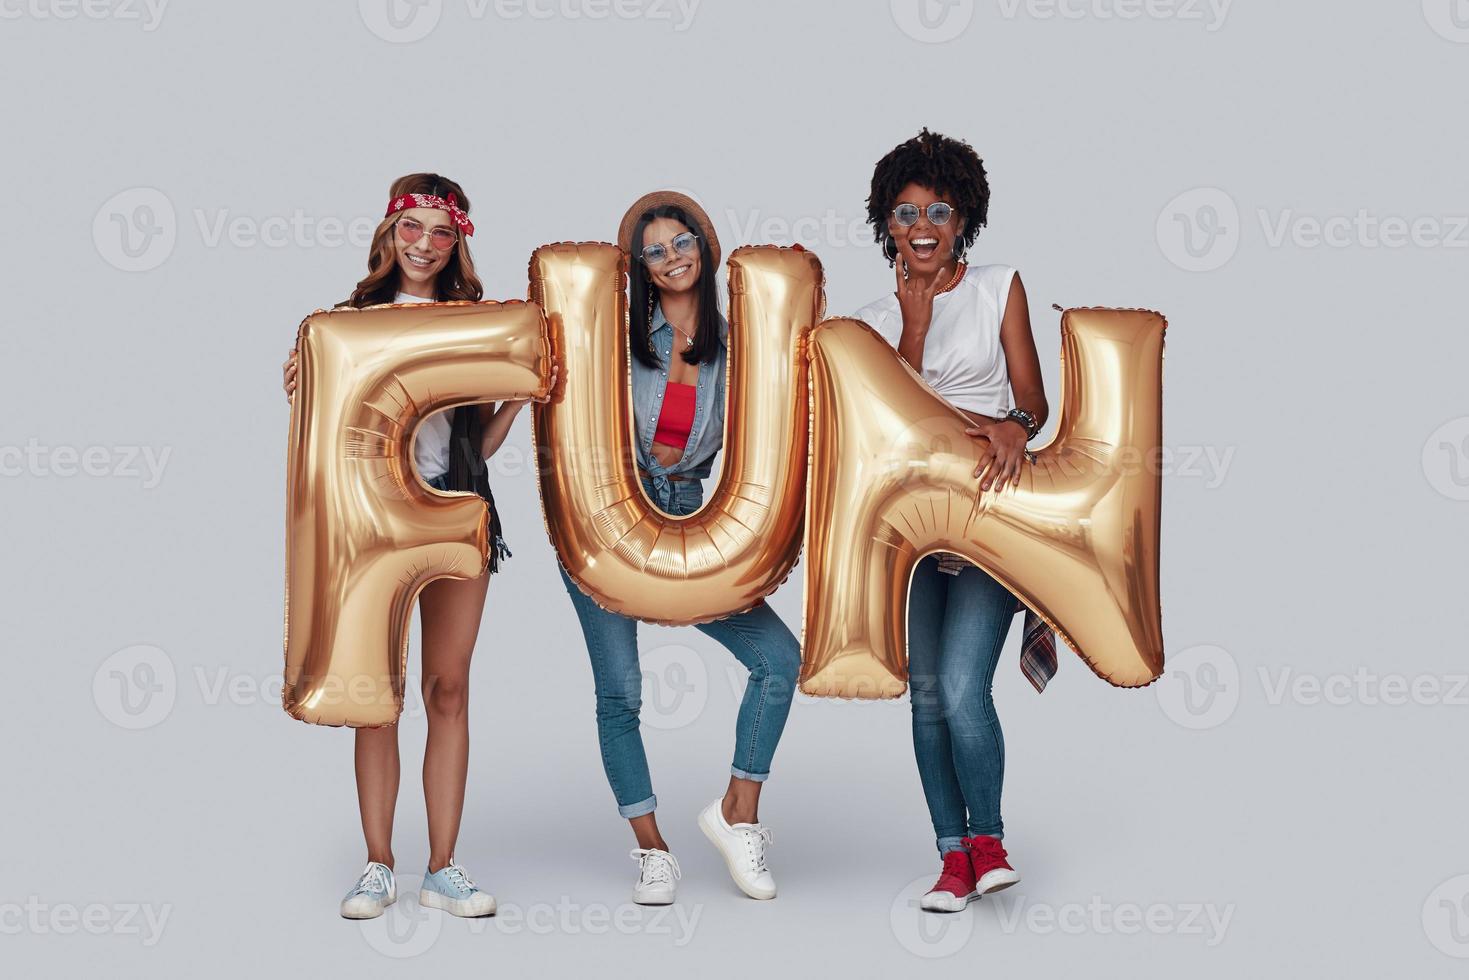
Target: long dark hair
(642, 295)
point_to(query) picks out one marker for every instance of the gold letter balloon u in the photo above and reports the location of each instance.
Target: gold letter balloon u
(625, 553)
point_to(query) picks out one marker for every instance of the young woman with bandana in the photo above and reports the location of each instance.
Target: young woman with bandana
(420, 254)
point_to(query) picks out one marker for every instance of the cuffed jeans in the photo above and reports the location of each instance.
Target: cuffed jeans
(956, 628)
(758, 639)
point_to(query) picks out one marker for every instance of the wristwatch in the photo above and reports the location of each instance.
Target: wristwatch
(1027, 421)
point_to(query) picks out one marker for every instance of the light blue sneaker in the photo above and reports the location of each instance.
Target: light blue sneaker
(372, 894)
(451, 890)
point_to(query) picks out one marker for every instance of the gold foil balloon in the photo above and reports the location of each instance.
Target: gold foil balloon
(625, 553)
(892, 479)
(363, 533)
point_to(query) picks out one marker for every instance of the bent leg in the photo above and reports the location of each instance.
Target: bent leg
(761, 641)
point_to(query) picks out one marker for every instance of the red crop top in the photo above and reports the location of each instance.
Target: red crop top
(676, 419)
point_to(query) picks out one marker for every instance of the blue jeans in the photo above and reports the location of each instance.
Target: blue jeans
(956, 627)
(757, 638)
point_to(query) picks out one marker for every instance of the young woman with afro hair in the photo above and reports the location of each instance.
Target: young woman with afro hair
(965, 328)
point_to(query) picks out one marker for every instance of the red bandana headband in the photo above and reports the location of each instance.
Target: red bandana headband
(451, 204)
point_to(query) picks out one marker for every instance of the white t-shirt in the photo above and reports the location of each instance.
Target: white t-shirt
(963, 359)
(431, 444)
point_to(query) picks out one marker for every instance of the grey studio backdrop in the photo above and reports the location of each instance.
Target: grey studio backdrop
(185, 180)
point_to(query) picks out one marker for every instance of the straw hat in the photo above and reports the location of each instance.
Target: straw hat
(688, 205)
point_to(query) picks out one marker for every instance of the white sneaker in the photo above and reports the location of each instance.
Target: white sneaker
(743, 847)
(372, 894)
(658, 876)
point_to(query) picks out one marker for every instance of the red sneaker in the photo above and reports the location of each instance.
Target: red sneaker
(991, 871)
(955, 887)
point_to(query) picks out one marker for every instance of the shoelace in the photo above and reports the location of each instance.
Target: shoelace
(374, 879)
(757, 839)
(987, 853)
(656, 867)
(985, 847)
(459, 878)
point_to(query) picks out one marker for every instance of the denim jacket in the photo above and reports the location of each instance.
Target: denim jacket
(706, 437)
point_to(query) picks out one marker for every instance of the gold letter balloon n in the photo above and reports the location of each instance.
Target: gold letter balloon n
(892, 479)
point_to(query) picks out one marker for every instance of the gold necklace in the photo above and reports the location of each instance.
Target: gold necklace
(954, 281)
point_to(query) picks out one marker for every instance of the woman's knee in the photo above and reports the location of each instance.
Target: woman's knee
(787, 663)
(778, 667)
(446, 696)
(619, 703)
(966, 703)
(923, 695)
